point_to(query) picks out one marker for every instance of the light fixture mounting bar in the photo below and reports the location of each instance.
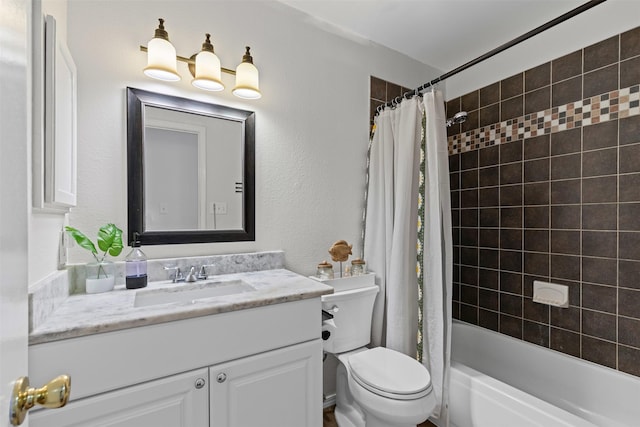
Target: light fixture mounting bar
(192, 62)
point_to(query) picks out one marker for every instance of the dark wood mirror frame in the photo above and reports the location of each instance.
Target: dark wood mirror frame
(137, 99)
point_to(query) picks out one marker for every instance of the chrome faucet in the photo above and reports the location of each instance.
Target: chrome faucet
(191, 277)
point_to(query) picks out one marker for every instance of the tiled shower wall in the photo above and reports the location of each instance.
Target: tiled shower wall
(545, 185)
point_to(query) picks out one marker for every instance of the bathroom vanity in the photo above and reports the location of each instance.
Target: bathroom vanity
(250, 357)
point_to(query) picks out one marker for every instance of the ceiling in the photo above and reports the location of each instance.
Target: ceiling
(441, 33)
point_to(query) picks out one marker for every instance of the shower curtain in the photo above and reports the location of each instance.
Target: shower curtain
(407, 231)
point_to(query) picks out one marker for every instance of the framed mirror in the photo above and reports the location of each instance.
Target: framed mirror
(190, 170)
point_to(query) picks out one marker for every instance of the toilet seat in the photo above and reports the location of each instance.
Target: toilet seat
(390, 374)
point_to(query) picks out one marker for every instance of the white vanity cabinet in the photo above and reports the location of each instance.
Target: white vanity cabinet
(176, 401)
(261, 366)
(267, 390)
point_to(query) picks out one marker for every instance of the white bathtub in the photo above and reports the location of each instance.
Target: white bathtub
(498, 381)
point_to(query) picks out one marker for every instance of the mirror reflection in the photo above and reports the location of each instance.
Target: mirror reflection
(190, 170)
(179, 196)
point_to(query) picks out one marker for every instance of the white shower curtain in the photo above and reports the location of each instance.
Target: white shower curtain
(437, 268)
(391, 225)
(391, 243)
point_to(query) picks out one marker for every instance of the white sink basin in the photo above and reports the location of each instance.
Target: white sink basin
(191, 292)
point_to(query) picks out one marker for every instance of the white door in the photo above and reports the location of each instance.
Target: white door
(280, 388)
(14, 197)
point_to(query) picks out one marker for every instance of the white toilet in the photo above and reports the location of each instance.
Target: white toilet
(375, 387)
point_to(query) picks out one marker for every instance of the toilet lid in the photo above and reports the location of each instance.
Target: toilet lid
(388, 372)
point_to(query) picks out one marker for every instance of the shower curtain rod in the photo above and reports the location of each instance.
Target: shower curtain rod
(578, 10)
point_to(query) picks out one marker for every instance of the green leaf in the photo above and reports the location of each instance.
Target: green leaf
(110, 239)
(82, 240)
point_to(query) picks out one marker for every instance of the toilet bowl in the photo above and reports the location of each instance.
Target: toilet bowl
(375, 387)
(391, 389)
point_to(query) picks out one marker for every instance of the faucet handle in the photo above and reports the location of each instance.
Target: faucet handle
(177, 273)
(202, 274)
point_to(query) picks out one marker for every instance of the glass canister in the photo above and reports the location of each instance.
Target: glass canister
(325, 271)
(358, 267)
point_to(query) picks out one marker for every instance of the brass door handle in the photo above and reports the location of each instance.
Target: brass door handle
(55, 394)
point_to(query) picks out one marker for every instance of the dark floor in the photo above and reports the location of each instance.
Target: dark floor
(328, 420)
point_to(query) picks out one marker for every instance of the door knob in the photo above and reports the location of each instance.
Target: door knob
(55, 394)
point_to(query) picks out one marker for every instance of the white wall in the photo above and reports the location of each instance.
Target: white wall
(598, 23)
(311, 124)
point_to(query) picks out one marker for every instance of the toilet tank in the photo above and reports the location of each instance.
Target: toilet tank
(352, 310)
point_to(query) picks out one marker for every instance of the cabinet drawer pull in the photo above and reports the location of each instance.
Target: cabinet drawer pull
(200, 382)
(221, 377)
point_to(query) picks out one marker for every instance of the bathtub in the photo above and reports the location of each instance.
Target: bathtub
(498, 381)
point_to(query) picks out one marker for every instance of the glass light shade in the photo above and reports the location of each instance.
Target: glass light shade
(208, 74)
(161, 60)
(247, 81)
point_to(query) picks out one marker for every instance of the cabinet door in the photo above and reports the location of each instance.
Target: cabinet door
(280, 388)
(176, 401)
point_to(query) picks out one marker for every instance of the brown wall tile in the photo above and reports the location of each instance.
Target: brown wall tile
(601, 298)
(600, 81)
(600, 217)
(536, 216)
(470, 101)
(628, 360)
(599, 190)
(535, 333)
(629, 274)
(511, 152)
(599, 270)
(511, 326)
(565, 192)
(563, 167)
(536, 147)
(378, 89)
(599, 351)
(600, 54)
(630, 130)
(630, 72)
(512, 86)
(565, 217)
(489, 115)
(538, 100)
(536, 240)
(569, 141)
(490, 94)
(630, 43)
(511, 108)
(600, 162)
(565, 341)
(602, 135)
(599, 325)
(567, 66)
(566, 91)
(537, 77)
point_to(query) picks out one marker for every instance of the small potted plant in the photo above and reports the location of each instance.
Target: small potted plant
(100, 274)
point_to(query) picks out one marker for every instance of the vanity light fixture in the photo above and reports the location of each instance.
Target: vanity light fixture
(161, 56)
(207, 68)
(204, 66)
(247, 78)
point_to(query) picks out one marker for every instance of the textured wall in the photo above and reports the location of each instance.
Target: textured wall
(311, 124)
(545, 185)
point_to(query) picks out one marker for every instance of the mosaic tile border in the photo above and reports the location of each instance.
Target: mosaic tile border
(613, 105)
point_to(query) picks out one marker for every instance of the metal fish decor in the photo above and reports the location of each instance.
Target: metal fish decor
(340, 251)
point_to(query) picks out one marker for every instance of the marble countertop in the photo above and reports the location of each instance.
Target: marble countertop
(88, 314)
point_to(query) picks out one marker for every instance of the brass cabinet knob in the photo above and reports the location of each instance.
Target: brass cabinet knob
(55, 394)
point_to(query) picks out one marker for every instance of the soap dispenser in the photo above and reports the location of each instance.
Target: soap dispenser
(136, 267)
